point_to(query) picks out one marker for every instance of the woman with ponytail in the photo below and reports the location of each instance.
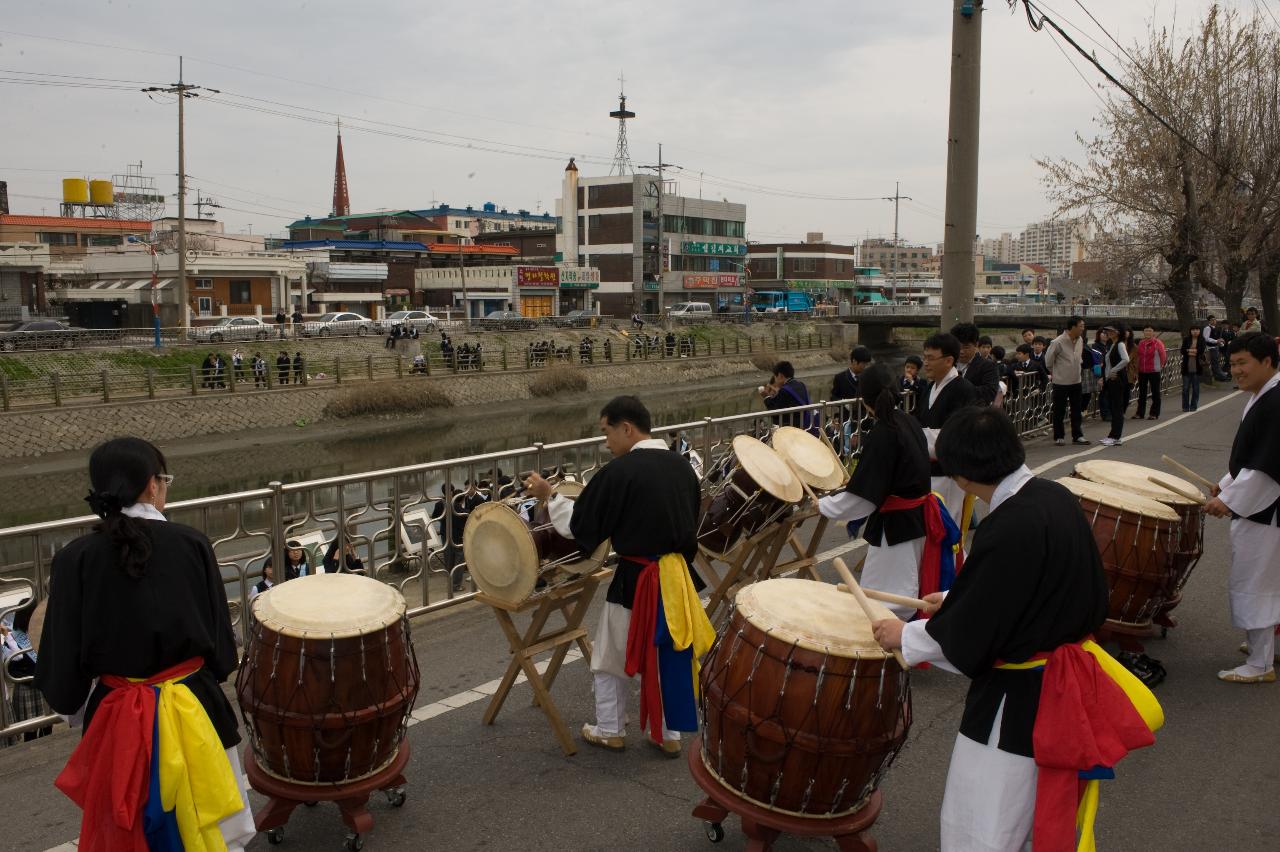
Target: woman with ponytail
(889, 489)
(137, 638)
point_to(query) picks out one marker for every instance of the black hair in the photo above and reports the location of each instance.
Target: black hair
(860, 353)
(22, 615)
(119, 471)
(1073, 321)
(980, 443)
(944, 343)
(1024, 348)
(1260, 346)
(965, 332)
(631, 410)
(984, 340)
(998, 352)
(1043, 341)
(879, 389)
(1211, 317)
(785, 368)
(1032, 330)
(916, 360)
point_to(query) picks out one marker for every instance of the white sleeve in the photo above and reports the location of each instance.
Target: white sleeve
(845, 507)
(1250, 492)
(931, 439)
(919, 647)
(561, 511)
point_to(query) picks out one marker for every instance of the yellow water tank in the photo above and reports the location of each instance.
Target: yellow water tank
(101, 192)
(75, 191)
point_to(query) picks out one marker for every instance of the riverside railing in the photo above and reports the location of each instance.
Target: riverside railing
(1091, 313)
(119, 384)
(405, 523)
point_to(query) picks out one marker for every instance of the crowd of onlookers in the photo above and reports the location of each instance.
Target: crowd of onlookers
(217, 369)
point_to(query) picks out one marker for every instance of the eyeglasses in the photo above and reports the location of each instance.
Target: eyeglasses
(166, 478)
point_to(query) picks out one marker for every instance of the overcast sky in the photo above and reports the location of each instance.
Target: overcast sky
(811, 98)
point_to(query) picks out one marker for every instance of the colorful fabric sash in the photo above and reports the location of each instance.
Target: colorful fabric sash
(668, 635)
(1092, 712)
(938, 566)
(112, 774)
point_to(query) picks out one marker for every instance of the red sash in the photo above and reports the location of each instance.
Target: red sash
(642, 654)
(934, 534)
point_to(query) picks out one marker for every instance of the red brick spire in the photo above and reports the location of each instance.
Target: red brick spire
(341, 202)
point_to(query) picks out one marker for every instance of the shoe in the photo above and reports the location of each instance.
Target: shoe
(1080, 442)
(1059, 442)
(669, 748)
(1154, 417)
(591, 734)
(1108, 441)
(1139, 417)
(1231, 676)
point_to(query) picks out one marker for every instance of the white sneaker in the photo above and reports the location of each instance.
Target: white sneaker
(1108, 442)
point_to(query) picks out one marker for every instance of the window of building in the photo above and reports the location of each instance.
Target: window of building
(113, 240)
(805, 264)
(56, 239)
(593, 196)
(241, 293)
(204, 283)
(595, 220)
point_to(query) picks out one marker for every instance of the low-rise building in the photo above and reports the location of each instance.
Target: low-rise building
(824, 269)
(70, 235)
(23, 266)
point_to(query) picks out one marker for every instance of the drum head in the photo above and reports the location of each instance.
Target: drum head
(1133, 477)
(329, 605)
(569, 489)
(767, 468)
(813, 459)
(500, 553)
(815, 616)
(1117, 498)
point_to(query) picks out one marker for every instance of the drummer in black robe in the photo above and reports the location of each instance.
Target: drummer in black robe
(646, 501)
(888, 489)
(947, 393)
(136, 597)
(1032, 588)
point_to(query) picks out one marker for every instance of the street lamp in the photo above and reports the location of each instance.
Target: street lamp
(155, 290)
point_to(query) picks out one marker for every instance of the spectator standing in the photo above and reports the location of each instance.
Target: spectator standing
(392, 336)
(1194, 365)
(19, 660)
(1038, 346)
(297, 321)
(1115, 382)
(608, 350)
(295, 560)
(1027, 374)
(786, 391)
(219, 370)
(259, 370)
(913, 383)
(845, 383)
(1028, 335)
(419, 364)
(207, 367)
(1090, 375)
(282, 368)
(267, 581)
(350, 561)
(972, 366)
(947, 393)
(1152, 358)
(299, 368)
(1252, 322)
(281, 320)
(1062, 360)
(237, 365)
(1213, 348)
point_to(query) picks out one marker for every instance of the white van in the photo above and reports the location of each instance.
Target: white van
(690, 310)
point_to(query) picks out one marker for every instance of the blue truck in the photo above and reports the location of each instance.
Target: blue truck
(781, 301)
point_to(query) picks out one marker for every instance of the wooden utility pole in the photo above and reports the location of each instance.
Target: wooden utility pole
(961, 225)
(895, 198)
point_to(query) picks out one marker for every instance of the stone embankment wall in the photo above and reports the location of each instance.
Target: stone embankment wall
(25, 435)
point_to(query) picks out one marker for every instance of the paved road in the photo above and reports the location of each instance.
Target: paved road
(1209, 783)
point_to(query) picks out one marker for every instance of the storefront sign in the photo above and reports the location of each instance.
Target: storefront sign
(710, 282)
(579, 278)
(816, 283)
(730, 249)
(537, 276)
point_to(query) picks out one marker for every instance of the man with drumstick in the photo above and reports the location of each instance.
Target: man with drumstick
(1250, 495)
(1032, 590)
(646, 502)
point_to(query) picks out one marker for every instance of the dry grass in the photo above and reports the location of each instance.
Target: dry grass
(839, 353)
(764, 359)
(557, 379)
(387, 398)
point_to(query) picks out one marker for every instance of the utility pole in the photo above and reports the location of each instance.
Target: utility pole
(661, 165)
(183, 90)
(961, 217)
(895, 198)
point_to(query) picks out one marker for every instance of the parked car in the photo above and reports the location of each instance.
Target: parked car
(338, 322)
(232, 328)
(575, 319)
(690, 310)
(41, 334)
(509, 319)
(421, 320)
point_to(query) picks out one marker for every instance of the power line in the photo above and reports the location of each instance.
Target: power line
(73, 76)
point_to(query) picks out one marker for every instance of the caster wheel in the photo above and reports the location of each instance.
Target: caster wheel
(275, 836)
(1164, 633)
(311, 804)
(396, 797)
(353, 843)
(715, 831)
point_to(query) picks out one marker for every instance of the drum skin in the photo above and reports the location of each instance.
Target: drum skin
(799, 730)
(327, 711)
(1137, 557)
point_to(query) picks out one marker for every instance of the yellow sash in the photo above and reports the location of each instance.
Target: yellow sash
(686, 620)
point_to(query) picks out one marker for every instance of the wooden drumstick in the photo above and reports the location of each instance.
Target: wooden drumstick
(900, 600)
(1189, 472)
(1177, 489)
(861, 598)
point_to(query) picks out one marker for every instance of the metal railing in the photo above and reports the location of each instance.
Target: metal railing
(1088, 312)
(405, 523)
(119, 384)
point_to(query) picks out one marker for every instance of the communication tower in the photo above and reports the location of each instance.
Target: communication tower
(622, 156)
(136, 196)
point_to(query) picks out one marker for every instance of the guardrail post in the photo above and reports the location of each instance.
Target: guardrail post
(337, 370)
(774, 331)
(426, 363)
(304, 372)
(504, 358)
(231, 382)
(737, 344)
(57, 389)
(4, 390)
(151, 383)
(722, 346)
(399, 366)
(369, 366)
(193, 380)
(106, 390)
(811, 339)
(277, 526)
(750, 346)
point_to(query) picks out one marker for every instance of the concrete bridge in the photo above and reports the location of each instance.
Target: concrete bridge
(877, 320)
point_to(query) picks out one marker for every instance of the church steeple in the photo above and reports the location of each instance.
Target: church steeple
(341, 202)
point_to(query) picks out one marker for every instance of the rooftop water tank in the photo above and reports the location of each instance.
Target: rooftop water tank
(75, 191)
(101, 192)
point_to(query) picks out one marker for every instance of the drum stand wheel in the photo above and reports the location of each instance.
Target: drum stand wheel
(352, 798)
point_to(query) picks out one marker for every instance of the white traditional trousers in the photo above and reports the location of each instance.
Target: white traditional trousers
(990, 801)
(612, 685)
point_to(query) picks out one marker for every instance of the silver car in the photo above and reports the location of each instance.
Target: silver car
(421, 320)
(337, 323)
(231, 328)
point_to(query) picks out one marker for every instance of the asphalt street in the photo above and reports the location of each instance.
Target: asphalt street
(1209, 783)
